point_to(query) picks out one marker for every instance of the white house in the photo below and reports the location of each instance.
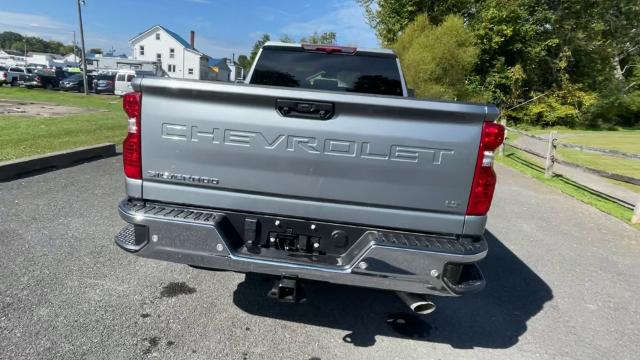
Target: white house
(36, 59)
(177, 57)
(71, 60)
(44, 59)
(237, 72)
(11, 58)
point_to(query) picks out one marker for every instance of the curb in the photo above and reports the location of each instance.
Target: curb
(13, 169)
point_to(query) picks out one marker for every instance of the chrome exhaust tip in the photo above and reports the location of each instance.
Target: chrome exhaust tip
(419, 304)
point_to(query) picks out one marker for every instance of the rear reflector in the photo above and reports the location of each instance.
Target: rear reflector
(131, 151)
(329, 49)
(484, 178)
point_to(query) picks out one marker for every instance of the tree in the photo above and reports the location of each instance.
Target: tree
(324, 38)
(244, 62)
(15, 41)
(256, 48)
(9, 38)
(287, 39)
(95, 51)
(389, 17)
(547, 62)
(437, 59)
(328, 37)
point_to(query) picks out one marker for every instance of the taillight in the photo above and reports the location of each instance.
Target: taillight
(329, 49)
(38, 78)
(131, 146)
(484, 178)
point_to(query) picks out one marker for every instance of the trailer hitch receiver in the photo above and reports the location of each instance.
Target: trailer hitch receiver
(288, 290)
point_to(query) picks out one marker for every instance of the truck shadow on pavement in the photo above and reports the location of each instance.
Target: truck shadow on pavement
(493, 318)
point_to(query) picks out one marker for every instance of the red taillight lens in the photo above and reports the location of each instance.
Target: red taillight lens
(484, 178)
(38, 78)
(492, 135)
(329, 49)
(131, 151)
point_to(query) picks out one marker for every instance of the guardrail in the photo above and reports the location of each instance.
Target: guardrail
(550, 159)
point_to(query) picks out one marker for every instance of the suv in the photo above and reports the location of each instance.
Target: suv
(104, 83)
(75, 82)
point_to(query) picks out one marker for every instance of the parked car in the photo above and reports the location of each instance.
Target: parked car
(17, 74)
(104, 84)
(124, 77)
(3, 75)
(322, 167)
(47, 78)
(76, 83)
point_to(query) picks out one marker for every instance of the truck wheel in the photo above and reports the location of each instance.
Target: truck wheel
(49, 86)
(14, 82)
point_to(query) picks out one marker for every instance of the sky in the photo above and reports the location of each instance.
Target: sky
(223, 27)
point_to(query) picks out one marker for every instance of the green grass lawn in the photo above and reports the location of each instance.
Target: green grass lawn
(22, 136)
(623, 140)
(525, 164)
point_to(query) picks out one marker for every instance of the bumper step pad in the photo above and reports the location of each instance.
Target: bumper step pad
(126, 238)
(171, 212)
(433, 243)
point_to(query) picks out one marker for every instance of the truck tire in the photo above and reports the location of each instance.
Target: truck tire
(14, 82)
(49, 86)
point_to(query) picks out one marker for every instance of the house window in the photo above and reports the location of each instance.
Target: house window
(141, 50)
(158, 36)
(158, 57)
(171, 68)
(172, 53)
(190, 71)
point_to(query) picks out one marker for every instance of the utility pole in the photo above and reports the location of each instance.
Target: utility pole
(25, 51)
(84, 52)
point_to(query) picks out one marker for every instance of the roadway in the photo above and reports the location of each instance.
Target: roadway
(562, 284)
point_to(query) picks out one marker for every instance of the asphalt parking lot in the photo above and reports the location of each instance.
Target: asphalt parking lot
(562, 284)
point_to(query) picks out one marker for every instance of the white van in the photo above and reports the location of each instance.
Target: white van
(124, 77)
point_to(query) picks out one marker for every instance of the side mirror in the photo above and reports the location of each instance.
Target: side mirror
(411, 92)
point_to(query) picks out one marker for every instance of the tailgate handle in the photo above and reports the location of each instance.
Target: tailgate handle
(305, 109)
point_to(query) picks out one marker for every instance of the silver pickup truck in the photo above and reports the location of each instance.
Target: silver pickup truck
(320, 167)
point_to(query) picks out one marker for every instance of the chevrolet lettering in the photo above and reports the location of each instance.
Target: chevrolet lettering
(311, 145)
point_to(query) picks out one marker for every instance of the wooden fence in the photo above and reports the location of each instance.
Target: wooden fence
(550, 159)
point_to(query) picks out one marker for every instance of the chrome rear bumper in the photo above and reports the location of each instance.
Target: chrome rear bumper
(415, 263)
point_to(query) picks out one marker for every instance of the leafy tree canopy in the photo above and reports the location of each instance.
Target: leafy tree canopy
(13, 41)
(544, 62)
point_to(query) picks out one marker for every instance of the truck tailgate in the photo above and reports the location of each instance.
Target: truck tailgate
(388, 161)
